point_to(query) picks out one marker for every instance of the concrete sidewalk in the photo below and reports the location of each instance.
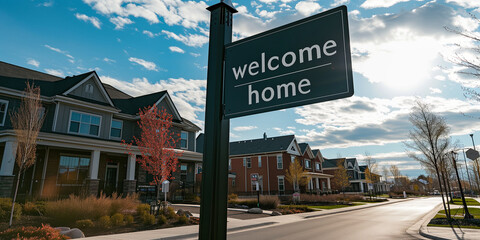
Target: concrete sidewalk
(235, 225)
(446, 233)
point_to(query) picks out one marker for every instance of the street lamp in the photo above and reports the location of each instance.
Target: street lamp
(473, 142)
(468, 174)
(467, 214)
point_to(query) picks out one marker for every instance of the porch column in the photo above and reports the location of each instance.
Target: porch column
(6, 169)
(361, 186)
(317, 183)
(129, 184)
(328, 184)
(93, 182)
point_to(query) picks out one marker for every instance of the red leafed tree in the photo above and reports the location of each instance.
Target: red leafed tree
(156, 144)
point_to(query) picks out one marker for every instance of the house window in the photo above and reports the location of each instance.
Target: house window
(85, 124)
(199, 168)
(116, 129)
(281, 184)
(184, 139)
(318, 166)
(233, 182)
(229, 164)
(3, 111)
(307, 164)
(89, 88)
(73, 169)
(259, 162)
(279, 162)
(249, 162)
(292, 158)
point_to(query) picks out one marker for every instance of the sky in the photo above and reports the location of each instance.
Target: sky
(401, 52)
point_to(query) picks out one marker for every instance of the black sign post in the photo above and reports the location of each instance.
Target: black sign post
(213, 205)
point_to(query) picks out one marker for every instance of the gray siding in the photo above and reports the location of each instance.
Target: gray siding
(96, 95)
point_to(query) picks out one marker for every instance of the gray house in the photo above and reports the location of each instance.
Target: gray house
(79, 146)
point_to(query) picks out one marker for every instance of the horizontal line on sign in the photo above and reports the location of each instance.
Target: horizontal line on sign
(285, 74)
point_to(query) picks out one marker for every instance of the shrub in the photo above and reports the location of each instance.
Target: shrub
(269, 202)
(142, 209)
(67, 211)
(248, 202)
(232, 196)
(182, 219)
(161, 219)
(129, 219)
(148, 219)
(171, 213)
(104, 221)
(117, 219)
(29, 208)
(82, 224)
(6, 208)
(35, 233)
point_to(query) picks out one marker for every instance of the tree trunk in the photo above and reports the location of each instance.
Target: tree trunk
(441, 192)
(449, 217)
(15, 197)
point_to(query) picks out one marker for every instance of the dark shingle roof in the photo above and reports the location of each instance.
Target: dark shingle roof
(331, 163)
(363, 168)
(254, 146)
(303, 147)
(132, 105)
(315, 152)
(115, 93)
(10, 70)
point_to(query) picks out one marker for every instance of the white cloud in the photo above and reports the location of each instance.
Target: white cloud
(61, 51)
(108, 60)
(188, 95)
(268, 1)
(150, 34)
(176, 49)
(368, 4)
(192, 40)
(195, 54)
(307, 8)
(33, 62)
(284, 132)
(120, 22)
(244, 128)
(146, 64)
(465, 3)
(339, 2)
(47, 4)
(435, 90)
(55, 72)
(93, 20)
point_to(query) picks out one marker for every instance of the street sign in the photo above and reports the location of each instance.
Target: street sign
(165, 186)
(472, 154)
(300, 63)
(370, 186)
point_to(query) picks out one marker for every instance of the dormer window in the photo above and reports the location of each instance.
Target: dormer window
(89, 89)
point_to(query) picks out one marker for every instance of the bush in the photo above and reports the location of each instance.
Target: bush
(171, 213)
(104, 221)
(248, 202)
(117, 219)
(67, 211)
(182, 219)
(148, 219)
(82, 224)
(232, 196)
(161, 219)
(143, 209)
(129, 219)
(6, 208)
(269, 202)
(34, 233)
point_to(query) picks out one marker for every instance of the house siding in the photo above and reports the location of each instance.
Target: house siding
(63, 119)
(97, 95)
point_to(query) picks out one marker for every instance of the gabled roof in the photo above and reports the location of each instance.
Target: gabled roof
(10, 70)
(331, 163)
(133, 104)
(115, 93)
(261, 145)
(77, 81)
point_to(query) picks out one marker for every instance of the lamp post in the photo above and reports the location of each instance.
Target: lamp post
(475, 166)
(467, 214)
(468, 174)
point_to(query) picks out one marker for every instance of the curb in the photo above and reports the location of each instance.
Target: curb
(355, 209)
(417, 230)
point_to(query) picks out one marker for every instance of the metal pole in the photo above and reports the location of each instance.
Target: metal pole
(475, 168)
(213, 208)
(467, 214)
(468, 174)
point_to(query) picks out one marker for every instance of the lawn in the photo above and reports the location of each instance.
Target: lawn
(469, 201)
(459, 212)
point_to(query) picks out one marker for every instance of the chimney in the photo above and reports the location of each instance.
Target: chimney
(264, 136)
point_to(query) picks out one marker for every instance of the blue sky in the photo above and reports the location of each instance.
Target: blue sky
(400, 52)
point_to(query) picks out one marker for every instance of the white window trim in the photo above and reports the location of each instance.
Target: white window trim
(111, 124)
(278, 183)
(259, 159)
(281, 157)
(181, 140)
(70, 121)
(6, 111)
(309, 164)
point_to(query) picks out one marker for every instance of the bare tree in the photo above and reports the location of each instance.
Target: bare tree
(26, 122)
(396, 175)
(371, 167)
(297, 175)
(385, 173)
(429, 138)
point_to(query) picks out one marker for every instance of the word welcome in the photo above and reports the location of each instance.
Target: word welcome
(287, 60)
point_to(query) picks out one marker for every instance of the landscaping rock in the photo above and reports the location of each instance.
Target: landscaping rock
(255, 210)
(275, 213)
(182, 212)
(71, 233)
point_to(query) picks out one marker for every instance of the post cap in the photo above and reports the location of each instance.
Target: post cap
(226, 3)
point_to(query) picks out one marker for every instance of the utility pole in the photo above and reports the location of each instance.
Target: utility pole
(467, 214)
(213, 207)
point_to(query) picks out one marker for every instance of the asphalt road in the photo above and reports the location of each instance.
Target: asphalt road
(383, 222)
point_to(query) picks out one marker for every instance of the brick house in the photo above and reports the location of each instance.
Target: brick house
(79, 146)
(266, 160)
(353, 170)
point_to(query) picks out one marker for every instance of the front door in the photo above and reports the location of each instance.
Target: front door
(111, 179)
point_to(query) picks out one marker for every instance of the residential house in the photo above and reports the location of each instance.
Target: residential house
(353, 170)
(375, 180)
(266, 160)
(79, 146)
